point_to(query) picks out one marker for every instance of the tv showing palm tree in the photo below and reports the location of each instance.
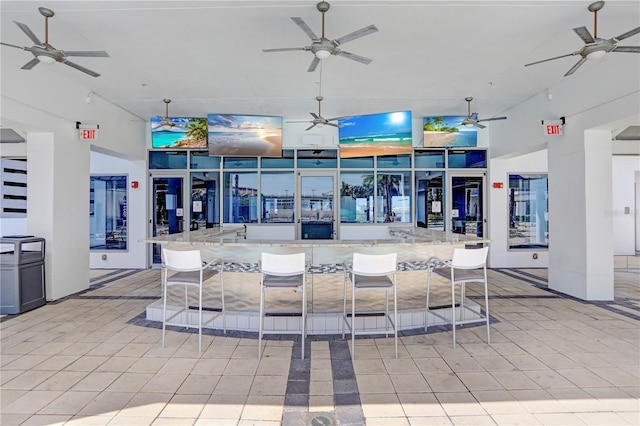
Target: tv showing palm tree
(184, 132)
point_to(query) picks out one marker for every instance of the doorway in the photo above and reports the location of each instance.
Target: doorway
(316, 205)
(167, 207)
(467, 205)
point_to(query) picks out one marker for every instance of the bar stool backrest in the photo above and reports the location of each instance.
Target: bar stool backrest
(282, 264)
(374, 264)
(469, 258)
(182, 260)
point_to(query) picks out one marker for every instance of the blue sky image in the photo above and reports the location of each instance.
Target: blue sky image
(376, 124)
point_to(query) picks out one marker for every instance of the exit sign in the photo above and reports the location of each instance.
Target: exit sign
(88, 134)
(552, 128)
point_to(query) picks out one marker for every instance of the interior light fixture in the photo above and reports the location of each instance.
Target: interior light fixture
(468, 125)
(596, 54)
(89, 98)
(322, 53)
(45, 59)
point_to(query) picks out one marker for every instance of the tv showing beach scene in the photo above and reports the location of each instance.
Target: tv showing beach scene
(386, 133)
(448, 131)
(244, 135)
(183, 132)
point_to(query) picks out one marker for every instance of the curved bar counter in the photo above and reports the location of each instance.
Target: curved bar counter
(326, 278)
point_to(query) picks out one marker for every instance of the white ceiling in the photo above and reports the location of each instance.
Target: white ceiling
(427, 55)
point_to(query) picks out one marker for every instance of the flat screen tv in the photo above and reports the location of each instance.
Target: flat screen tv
(386, 133)
(186, 132)
(244, 135)
(448, 131)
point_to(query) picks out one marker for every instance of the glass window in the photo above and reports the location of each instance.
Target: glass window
(463, 159)
(108, 213)
(356, 197)
(240, 197)
(204, 200)
(357, 163)
(202, 160)
(167, 159)
(394, 197)
(528, 211)
(286, 162)
(430, 200)
(429, 159)
(394, 161)
(317, 158)
(240, 162)
(276, 196)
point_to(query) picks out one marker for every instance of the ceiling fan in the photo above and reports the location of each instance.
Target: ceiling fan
(165, 121)
(318, 119)
(46, 53)
(323, 47)
(595, 47)
(472, 118)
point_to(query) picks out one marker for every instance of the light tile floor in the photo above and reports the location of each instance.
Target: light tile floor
(89, 360)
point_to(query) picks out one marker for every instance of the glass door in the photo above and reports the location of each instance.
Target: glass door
(167, 209)
(316, 203)
(467, 205)
(430, 200)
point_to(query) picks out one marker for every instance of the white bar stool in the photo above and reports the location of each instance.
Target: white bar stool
(283, 272)
(371, 272)
(467, 266)
(185, 268)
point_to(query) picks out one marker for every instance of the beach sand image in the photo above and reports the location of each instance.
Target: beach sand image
(438, 139)
(246, 144)
(367, 150)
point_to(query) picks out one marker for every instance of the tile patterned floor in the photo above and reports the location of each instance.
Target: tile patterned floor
(92, 359)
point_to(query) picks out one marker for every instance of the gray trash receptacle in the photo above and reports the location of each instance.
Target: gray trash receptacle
(22, 283)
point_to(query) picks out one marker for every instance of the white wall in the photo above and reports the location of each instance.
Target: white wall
(136, 254)
(623, 212)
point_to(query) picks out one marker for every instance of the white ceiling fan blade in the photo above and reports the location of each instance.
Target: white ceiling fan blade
(354, 57)
(576, 66)
(32, 63)
(86, 53)
(551, 59)
(334, 125)
(304, 27)
(284, 49)
(492, 119)
(81, 68)
(25, 29)
(357, 34)
(314, 64)
(628, 34)
(13, 45)
(480, 126)
(316, 116)
(310, 127)
(584, 34)
(630, 49)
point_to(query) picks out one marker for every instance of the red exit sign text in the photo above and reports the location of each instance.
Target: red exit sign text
(554, 129)
(88, 134)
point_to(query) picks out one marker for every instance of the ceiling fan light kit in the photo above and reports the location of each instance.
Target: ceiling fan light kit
(595, 47)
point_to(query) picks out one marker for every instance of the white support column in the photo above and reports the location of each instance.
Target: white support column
(581, 227)
(58, 208)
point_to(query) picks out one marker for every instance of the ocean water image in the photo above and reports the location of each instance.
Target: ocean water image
(446, 131)
(185, 133)
(376, 134)
(244, 135)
